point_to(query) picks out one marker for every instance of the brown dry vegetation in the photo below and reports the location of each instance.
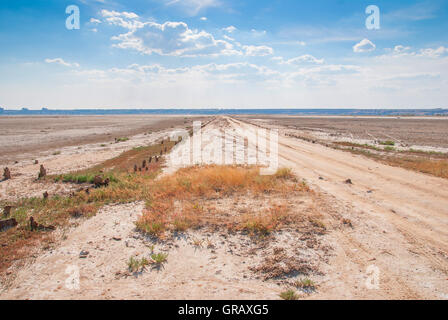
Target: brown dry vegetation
(435, 167)
(432, 163)
(184, 200)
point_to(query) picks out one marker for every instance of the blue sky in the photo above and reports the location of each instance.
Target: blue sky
(222, 53)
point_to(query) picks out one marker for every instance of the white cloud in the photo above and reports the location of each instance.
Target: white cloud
(128, 15)
(433, 53)
(303, 59)
(228, 38)
(365, 45)
(230, 29)
(175, 38)
(402, 51)
(258, 50)
(203, 18)
(61, 62)
(158, 75)
(258, 33)
(417, 79)
(127, 20)
(172, 39)
(95, 21)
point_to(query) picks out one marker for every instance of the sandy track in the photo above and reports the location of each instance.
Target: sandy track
(400, 220)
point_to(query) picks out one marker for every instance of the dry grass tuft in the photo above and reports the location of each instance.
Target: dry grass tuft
(289, 295)
(435, 167)
(280, 265)
(84, 210)
(265, 222)
(179, 201)
(433, 163)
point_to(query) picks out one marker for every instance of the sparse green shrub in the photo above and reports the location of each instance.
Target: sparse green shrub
(387, 143)
(289, 295)
(124, 139)
(136, 265)
(305, 283)
(159, 258)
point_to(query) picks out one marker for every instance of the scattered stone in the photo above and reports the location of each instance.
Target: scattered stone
(98, 181)
(34, 226)
(7, 211)
(7, 224)
(347, 222)
(321, 178)
(83, 254)
(42, 172)
(348, 181)
(6, 174)
(45, 195)
(36, 161)
(116, 238)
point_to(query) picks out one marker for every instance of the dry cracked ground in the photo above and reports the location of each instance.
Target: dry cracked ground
(383, 235)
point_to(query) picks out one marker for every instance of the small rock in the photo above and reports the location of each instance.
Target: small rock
(83, 254)
(116, 238)
(7, 211)
(348, 181)
(6, 174)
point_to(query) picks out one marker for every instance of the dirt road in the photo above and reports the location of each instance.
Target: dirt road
(399, 217)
